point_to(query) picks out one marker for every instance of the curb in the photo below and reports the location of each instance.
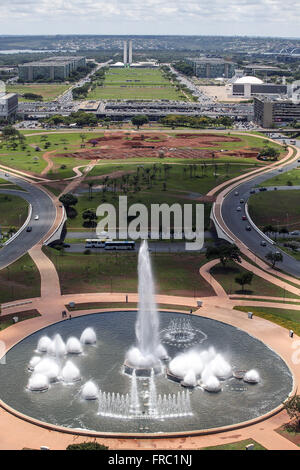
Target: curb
(22, 228)
(262, 234)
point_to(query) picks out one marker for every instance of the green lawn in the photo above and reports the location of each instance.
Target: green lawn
(147, 197)
(14, 211)
(175, 274)
(134, 305)
(286, 178)
(7, 320)
(134, 83)
(226, 277)
(286, 318)
(48, 91)
(280, 209)
(21, 280)
(239, 445)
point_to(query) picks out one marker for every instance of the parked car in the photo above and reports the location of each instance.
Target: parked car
(252, 191)
(263, 189)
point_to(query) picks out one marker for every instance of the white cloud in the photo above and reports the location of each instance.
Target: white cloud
(170, 12)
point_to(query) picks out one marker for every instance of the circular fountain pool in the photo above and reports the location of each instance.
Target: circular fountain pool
(102, 363)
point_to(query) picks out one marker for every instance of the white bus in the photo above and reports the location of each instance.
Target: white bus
(119, 245)
(95, 242)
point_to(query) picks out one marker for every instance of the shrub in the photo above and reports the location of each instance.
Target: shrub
(87, 446)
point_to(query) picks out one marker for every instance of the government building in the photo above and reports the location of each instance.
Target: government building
(52, 68)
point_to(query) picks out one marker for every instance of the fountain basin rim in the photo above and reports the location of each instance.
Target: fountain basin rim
(161, 435)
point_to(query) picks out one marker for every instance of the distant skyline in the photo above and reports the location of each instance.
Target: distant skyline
(151, 17)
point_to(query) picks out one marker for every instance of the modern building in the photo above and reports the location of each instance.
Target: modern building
(8, 105)
(206, 67)
(52, 68)
(248, 87)
(253, 69)
(269, 112)
(127, 52)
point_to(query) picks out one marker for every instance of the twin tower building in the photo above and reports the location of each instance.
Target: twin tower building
(127, 52)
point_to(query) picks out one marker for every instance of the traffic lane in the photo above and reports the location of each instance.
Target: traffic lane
(159, 247)
(252, 239)
(42, 206)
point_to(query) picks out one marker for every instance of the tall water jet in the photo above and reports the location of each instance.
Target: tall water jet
(134, 397)
(148, 351)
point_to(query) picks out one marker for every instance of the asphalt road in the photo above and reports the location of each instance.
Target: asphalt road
(252, 239)
(42, 206)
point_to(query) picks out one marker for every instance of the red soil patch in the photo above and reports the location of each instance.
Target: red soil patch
(118, 146)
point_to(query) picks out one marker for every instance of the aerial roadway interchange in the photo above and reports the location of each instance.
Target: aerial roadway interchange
(194, 164)
(41, 198)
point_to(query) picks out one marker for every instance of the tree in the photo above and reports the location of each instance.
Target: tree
(274, 257)
(87, 446)
(68, 200)
(225, 253)
(292, 407)
(139, 120)
(90, 217)
(244, 278)
(91, 184)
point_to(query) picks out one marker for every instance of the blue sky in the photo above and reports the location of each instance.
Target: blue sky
(195, 17)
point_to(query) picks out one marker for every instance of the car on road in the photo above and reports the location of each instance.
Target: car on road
(248, 228)
(236, 193)
(238, 209)
(244, 217)
(295, 232)
(28, 229)
(263, 243)
(242, 201)
(252, 191)
(37, 217)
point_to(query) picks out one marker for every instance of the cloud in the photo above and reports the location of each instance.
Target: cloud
(170, 12)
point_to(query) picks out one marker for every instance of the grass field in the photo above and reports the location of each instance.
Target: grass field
(134, 83)
(278, 208)
(239, 445)
(286, 178)
(48, 91)
(147, 198)
(175, 274)
(14, 211)
(25, 158)
(21, 280)
(226, 277)
(286, 318)
(108, 305)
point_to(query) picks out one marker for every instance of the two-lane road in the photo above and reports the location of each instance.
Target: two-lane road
(42, 205)
(252, 239)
